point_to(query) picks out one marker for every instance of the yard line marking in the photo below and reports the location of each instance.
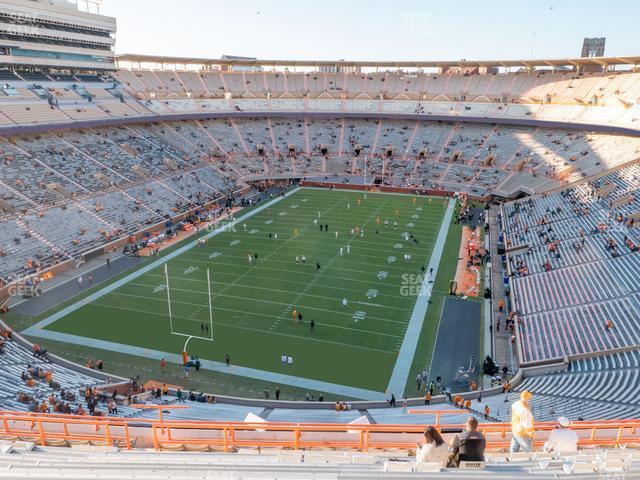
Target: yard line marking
(389, 287)
(254, 287)
(402, 368)
(328, 266)
(313, 339)
(177, 302)
(402, 268)
(282, 244)
(203, 256)
(341, 288)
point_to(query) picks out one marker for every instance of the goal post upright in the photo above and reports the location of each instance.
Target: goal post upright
(210, 303)
(166, 276)
(365, 168)
(185, 357)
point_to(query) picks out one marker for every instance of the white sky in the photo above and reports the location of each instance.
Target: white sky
(374, 29)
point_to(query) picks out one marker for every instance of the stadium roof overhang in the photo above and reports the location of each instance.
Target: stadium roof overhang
(560, 62)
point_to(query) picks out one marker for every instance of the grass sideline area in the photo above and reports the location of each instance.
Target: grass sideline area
(253, 302)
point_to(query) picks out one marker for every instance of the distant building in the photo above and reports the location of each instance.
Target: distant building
(56, 34)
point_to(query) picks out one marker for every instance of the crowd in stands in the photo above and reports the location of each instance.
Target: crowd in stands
(572, 262)
(30, 381)
(65, 193)
(103, 183)
(469, 446)
(542, 86)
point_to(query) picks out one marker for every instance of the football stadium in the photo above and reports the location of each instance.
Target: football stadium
(228, 266)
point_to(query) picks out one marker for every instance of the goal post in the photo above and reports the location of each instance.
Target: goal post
(172, 320)
(210, 303)
(166, 276)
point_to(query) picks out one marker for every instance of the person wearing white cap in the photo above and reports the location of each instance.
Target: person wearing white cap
(562, 439)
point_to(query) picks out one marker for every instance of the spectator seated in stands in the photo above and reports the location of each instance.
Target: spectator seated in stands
(468, 446)
(112, 407)
(39, 351)
(434, 449)
(25, 398)
(67, 395)
(6, 334)
(562, 439)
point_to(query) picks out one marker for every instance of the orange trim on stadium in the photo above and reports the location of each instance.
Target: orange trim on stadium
(47, 429)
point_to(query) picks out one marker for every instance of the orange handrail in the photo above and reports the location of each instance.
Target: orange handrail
(360, 435)
(228, 435)
(437, 413)
(24, 426)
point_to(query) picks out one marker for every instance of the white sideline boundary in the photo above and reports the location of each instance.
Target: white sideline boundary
(261, 375)
(402, 368)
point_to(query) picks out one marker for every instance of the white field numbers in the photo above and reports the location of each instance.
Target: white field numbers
(359, 316)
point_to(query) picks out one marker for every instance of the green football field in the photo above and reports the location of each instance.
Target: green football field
(354, 345)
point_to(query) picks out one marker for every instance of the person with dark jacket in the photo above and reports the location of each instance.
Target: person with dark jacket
(468, 446)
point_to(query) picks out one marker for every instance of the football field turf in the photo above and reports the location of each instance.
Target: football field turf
(355, 345)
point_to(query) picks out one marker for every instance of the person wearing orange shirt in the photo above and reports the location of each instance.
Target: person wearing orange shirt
(501, 304)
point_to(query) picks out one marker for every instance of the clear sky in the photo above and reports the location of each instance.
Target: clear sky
(374, 29)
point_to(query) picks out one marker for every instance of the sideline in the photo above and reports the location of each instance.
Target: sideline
(402, 368)
(262, 375)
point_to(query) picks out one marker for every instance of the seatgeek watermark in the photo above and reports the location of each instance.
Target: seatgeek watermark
(19, 290)
(416, 24)
(411, 285)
